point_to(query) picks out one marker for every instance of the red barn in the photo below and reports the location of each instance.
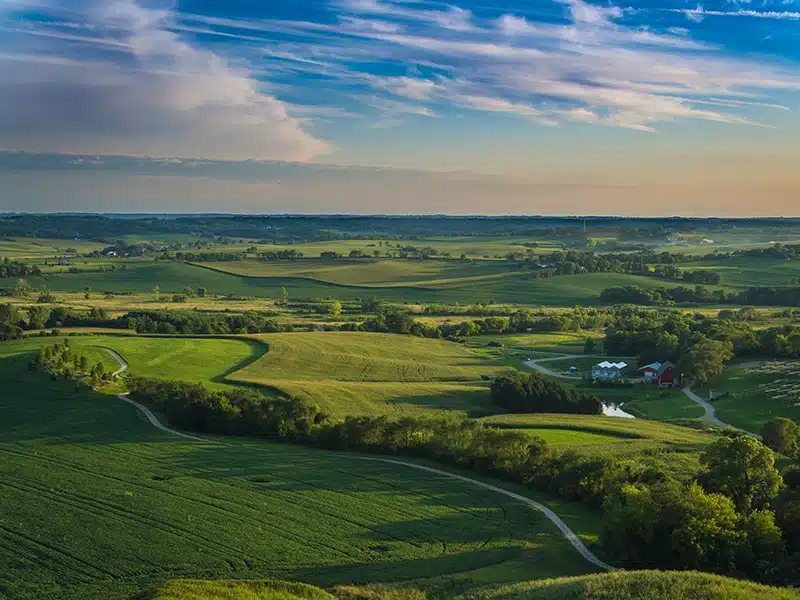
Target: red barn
(662, 374)
(666, 375)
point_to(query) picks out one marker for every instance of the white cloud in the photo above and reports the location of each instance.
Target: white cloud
(166, 98)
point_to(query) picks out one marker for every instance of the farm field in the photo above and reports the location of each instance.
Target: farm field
(513, 287)
(40, 248)
(742, 272)
(551, 344)
(369, 273)
(195, 360)
(606, 435)
(365, 373)
(755, 395)
(104, 505)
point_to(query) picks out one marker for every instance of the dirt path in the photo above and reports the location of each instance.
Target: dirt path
(123, 364)
(573, 539)
(710, 415)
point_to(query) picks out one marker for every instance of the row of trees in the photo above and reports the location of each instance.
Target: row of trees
(533, 393)
(665, 296)
(701, 344)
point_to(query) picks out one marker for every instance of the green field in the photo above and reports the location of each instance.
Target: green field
(742, 272)
(607, 435)
(543, 345)
(444, 287)
(367, 373)
(98, 504)
(754, 395)
(372, 273)
(39, 248)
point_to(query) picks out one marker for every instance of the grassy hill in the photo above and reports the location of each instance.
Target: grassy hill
(609, 435)
(98, 504)
(367, 373)
(236, 590)
(636, 585)
(620, 585)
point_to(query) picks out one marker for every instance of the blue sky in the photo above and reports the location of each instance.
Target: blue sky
(496, 106)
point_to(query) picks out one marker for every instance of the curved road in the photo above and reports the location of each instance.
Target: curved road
(553, 517)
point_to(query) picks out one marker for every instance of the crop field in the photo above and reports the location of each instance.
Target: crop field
(550, 344)
(98, 504)
(490, 283)
(755, 395)
(367, 373)
(606, 435)
(40, 248)
(742, 272)
(372, 273)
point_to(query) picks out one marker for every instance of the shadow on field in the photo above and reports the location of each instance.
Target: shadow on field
(34, 406)
(257, 350)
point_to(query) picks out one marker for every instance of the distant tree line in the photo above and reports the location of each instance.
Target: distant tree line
(663, 296)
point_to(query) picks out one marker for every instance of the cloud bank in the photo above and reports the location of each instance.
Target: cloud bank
(111, 77)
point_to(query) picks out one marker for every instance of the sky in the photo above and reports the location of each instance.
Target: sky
(647, 107)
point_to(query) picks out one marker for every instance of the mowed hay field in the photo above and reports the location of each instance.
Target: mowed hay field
(98, 504)
(349, 373)
(369, 273)
(606, 435)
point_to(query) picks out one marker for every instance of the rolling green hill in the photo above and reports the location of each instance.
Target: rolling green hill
(98, 504)
(368, 373)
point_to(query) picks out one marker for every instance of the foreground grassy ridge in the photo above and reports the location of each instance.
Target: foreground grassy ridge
(636, 585)
(236, 590)
(368, 373)
(607, 435)
(104, 505)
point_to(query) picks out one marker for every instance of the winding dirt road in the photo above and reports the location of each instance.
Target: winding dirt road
(573, 539)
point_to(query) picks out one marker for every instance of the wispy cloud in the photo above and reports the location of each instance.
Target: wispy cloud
(142, 81)
(164, 97)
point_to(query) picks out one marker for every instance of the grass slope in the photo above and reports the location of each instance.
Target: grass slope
(754, 396)
(98, 504)
(636, 585)
(607, 435)
(367, 373)
(236, 590)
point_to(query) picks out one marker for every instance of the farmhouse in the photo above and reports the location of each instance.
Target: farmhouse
(608, 370)
(662, 374)
(63, 261)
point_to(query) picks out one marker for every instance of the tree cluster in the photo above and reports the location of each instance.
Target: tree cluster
(533, 393)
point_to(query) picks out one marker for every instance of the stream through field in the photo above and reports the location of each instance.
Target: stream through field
(610, 410)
